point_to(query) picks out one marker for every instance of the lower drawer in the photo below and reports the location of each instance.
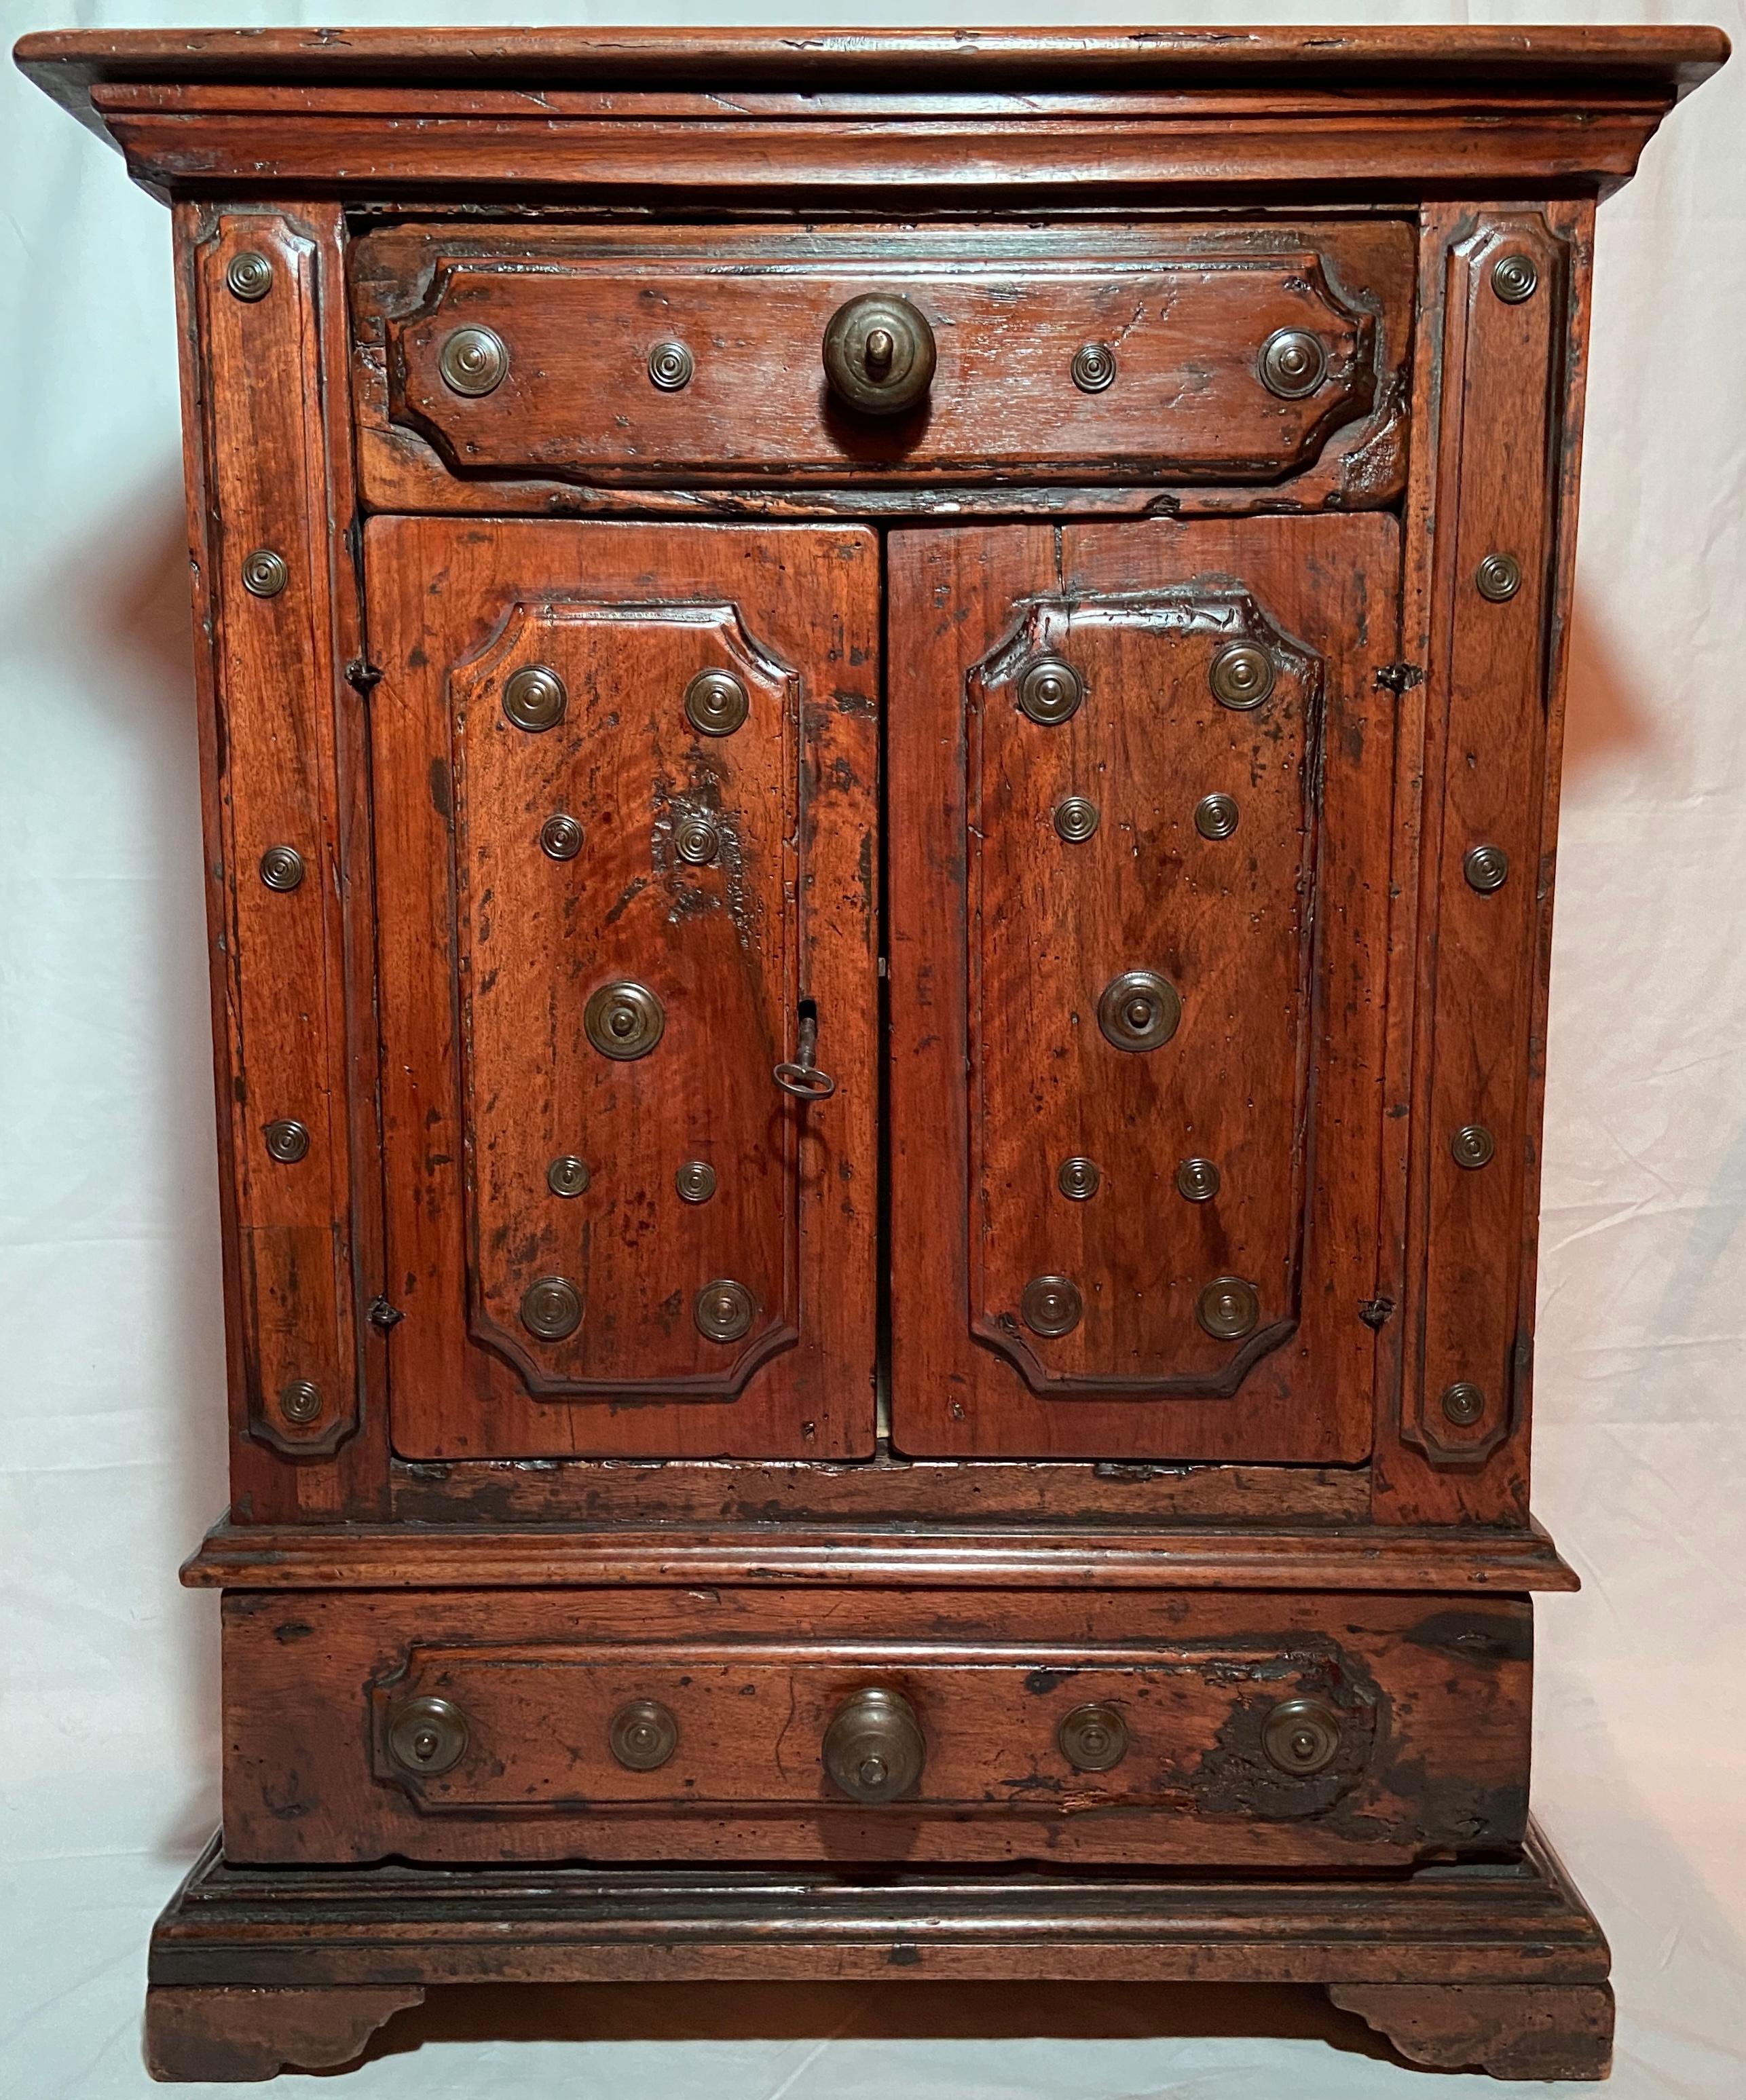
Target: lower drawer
(1240, 1730)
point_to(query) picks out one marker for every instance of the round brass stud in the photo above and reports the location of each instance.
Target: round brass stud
(1228, 1308)
(248, 276)
(282, 867)
(567, 1175)
(1487, 868)
(1198, 1180)
(300, 1402)
(1463, 1404)
(1050, 692)
(716, 702)
(1515, 279)
(873, 1749)
(1076, 819)
(1094, 367)
(694, 1180)
(535, 697)
(1079, 1179)
(1301, 1737)
(265, 573)
(427, 1735)
(1139, 1010)
(1240, 675)
(1293, 363)
(670, 367)
(560, 838)
(1093, 1738)
(697, 840)
(642, 1734)
(287, 1140)
(1051, 1305)
(472, 360)
(1498, 577)
(1472, 1145)
(551, 1308)
(723, 1310)
(624, 1020)
(1216, 816)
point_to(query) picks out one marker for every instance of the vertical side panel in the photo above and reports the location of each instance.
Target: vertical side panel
(1493, 511)
(287, 820)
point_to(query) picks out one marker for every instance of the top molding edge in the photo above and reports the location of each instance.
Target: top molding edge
(1577, 61)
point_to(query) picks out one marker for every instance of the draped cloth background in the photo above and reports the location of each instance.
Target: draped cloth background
(110, 1458)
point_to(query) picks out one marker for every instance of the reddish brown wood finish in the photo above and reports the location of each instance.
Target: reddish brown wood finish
(1004, 936)
(283, 762)
(1431, 1693)
(942, 1551)
(1483, 742)
(1185, 309)
(491, 952)
(1512, 2031)
(1351, 999)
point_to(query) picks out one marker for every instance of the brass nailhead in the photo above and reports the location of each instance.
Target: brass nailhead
(287, 1140)
(265, 573)
(1515, 279)
(248, 276)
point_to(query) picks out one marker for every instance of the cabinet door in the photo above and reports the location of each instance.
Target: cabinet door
(626, 788)
(1140, 780)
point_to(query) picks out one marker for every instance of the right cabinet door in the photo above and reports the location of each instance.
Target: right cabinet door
(1140, 787)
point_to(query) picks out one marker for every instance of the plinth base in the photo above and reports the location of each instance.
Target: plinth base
(1496, 1966)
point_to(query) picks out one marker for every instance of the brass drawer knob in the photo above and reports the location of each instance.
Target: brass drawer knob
(874, 1747)
(879, 354)
(642, 1734)
(427, 1735)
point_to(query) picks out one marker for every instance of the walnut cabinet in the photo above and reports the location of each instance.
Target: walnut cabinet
(881, 722)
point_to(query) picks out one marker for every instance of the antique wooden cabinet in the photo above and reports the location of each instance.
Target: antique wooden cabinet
(881, 720)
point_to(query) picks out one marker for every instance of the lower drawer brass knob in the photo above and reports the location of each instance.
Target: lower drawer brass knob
(427, 1735)
(1302, 1735)
(1092, 1739)
(874, 1747)
(643, 1735)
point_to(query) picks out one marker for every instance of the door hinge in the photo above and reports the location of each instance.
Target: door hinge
(1376, 1311)
(383, 1315)
(1399, 678)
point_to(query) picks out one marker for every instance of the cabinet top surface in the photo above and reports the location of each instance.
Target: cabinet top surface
(1669, 60)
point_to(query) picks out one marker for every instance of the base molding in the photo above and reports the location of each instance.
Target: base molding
(1496, 1964)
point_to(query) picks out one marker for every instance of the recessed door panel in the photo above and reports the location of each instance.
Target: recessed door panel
(630, 777)
(1137, 979)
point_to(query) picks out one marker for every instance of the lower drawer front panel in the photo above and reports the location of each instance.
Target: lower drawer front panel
(1244, 1730)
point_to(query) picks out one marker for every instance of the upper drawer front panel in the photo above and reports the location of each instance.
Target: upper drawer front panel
(1222, 354)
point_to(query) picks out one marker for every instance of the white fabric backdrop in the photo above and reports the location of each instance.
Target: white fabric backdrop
(110, 1344)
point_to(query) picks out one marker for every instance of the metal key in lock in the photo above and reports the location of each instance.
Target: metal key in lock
(802, 1078)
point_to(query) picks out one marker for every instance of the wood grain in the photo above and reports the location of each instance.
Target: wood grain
(491, 952)
(901, 1553)
(995, 1078)
(1431, 1693)
(1507, 1921)
(1490, 764)
(1186, 316)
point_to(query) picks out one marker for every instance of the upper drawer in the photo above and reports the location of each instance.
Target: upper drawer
(1236, 353)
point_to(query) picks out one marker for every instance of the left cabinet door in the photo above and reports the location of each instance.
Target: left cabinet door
(626, 796)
